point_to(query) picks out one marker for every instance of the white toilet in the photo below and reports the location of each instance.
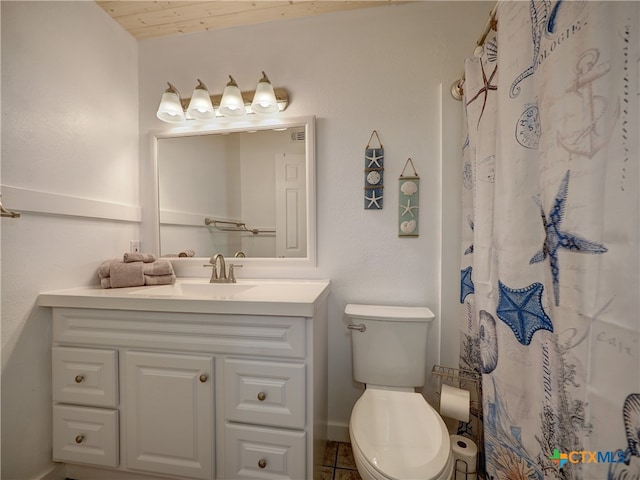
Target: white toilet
(395, 433)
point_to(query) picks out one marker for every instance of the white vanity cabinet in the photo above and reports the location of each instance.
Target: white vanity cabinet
(143, 393)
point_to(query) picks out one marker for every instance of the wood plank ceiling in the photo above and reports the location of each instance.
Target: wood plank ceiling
(147, 19)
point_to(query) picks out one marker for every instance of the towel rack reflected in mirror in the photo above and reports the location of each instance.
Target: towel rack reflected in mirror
(234, 226)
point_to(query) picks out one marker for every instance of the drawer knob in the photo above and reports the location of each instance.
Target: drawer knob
(79, 378)
(262, 463)
(80, 439)
(204, 378)
(262, 396)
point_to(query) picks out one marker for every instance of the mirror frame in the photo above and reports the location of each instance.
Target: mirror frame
(190, 267)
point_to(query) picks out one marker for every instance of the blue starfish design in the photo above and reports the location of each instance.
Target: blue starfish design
(522, 310)
(466, 284)
(556, 238)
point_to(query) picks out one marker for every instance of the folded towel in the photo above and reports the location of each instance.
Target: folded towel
(139, 257)
(187, 253)
(126, 274)
(159, 267)
(105, 267)
(148, 280)
(159, 279)
(116, 273)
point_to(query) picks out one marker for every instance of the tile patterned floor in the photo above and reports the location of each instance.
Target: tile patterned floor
(338, 463)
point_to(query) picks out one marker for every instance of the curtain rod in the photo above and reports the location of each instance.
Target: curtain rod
(492, 24)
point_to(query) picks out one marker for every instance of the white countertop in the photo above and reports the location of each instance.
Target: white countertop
(247, 297)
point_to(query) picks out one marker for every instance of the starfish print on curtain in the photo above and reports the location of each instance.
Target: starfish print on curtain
(485, 89)
(469, 249)
(466, 284)
(556, 238)
(521, 309)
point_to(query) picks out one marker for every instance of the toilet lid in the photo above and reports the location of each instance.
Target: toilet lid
(400, 434)
(389, 313)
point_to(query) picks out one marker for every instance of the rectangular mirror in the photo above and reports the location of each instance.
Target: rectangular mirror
(243, 189)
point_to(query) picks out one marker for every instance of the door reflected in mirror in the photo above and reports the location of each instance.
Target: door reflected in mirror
(235, 192)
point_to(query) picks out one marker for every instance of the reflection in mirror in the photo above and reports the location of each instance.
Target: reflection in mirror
(235, 192)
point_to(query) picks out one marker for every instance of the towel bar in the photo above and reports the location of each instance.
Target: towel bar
(234, 226)
(6, 213)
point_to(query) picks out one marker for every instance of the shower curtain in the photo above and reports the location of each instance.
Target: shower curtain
(550, 245)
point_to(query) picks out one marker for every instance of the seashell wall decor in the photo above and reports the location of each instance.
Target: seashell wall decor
(408, 198)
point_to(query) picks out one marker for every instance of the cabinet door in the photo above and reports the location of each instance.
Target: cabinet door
(169, 413)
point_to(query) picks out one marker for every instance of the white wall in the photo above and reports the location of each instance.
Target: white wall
(379, 68)
(70, 148)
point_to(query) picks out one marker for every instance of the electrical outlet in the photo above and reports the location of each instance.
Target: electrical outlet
(134, 246)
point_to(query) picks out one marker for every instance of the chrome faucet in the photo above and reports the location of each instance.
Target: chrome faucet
(219, 272)
(218, 275)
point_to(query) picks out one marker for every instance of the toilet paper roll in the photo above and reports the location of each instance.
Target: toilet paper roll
(465, 455)
(455, 403)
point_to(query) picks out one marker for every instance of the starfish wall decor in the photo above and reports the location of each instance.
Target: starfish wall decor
(408, 198)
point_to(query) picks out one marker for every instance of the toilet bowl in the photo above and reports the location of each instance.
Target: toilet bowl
(397, 435)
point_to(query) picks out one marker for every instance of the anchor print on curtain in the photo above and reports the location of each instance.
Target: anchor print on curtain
(550, 252)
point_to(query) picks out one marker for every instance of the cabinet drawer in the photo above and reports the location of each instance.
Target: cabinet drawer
(85, 376)
(265, 393)
(264, 453)
(85, 435)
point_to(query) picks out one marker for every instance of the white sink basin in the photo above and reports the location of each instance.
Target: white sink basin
(196, 290)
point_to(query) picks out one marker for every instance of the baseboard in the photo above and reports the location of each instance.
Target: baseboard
(81, 472)
(338, 432)
(56, 472)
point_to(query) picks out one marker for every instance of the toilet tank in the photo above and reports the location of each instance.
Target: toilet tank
(392, 349)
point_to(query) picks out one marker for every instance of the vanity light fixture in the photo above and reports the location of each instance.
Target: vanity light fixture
(202, 106)
(264, 101)
(170, 109)
(232, 104)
